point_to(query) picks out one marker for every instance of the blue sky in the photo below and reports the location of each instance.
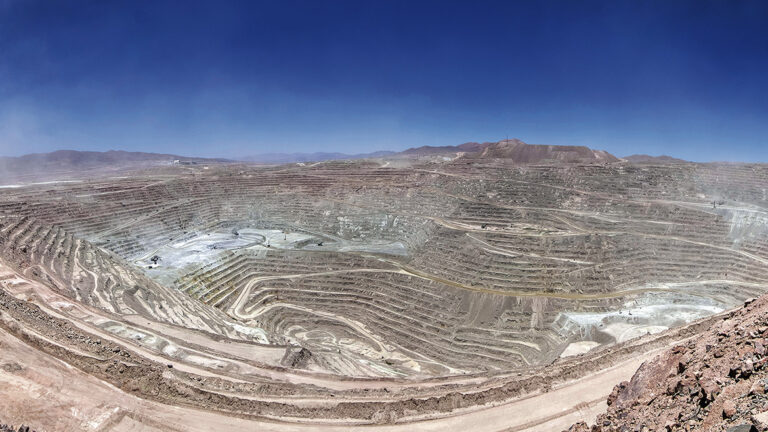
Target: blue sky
(229, 79)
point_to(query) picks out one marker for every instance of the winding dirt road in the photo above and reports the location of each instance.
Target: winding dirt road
(57, 397)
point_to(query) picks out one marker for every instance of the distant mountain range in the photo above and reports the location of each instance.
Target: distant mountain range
(644, 158)
(74, 158)
(514, 151)
(46, 165)
(312, 157)
(470, 147)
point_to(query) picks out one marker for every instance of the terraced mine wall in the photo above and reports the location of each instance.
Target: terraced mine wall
(431, 281)
(489, 267)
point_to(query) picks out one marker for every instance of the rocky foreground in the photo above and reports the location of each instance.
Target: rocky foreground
(715, 382)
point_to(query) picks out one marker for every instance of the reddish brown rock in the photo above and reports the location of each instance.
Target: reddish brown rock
(715, 382)
(710, 389)
(759, 348)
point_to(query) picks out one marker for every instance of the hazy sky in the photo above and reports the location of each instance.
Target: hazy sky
(689, 79)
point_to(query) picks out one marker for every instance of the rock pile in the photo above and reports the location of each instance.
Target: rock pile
(296, 357)
(7, 428)
(716, 382)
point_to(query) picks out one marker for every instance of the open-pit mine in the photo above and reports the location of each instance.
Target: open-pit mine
(464, 292)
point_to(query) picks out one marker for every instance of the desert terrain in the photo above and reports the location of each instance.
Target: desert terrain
(495, 286)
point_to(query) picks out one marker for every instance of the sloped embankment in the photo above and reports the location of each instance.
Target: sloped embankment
(713, 382)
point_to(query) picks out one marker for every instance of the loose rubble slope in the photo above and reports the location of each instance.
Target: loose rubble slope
(714, 382)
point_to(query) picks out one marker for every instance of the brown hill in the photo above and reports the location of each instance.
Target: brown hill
(523, 153)
(516, 151)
